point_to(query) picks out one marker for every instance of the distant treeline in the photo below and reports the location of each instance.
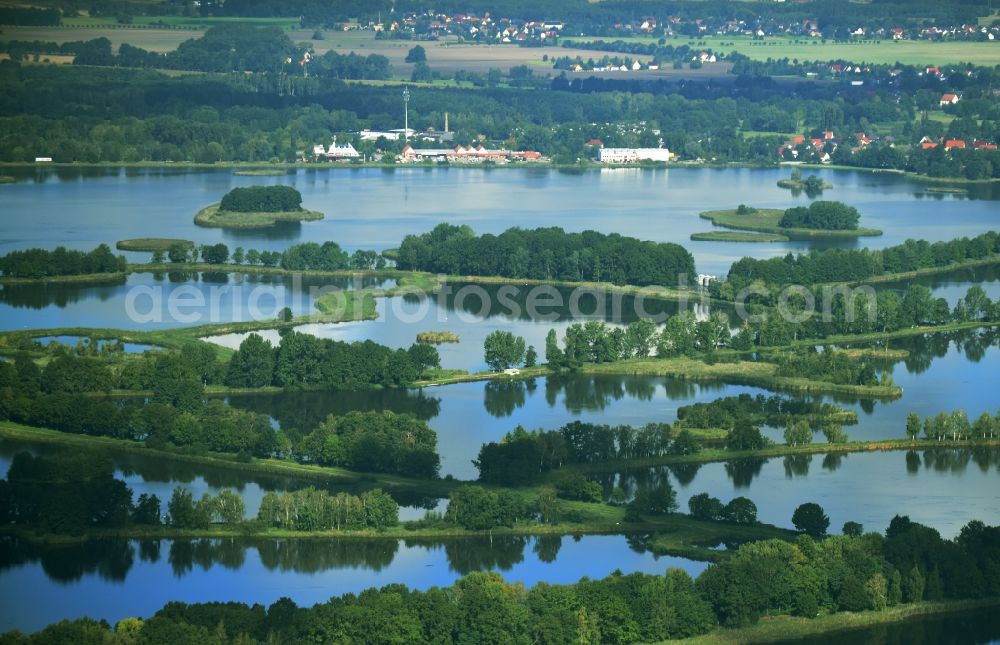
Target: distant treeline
(41, 263)
(223, 48)
(806, 577)
(262, 199)
(547, 253)
(29, 16)
(847, 265)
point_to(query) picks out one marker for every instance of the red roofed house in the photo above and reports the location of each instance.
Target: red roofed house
(985, 145)
(950, 99)
(595, 143)
(928, 145)
(954, 143)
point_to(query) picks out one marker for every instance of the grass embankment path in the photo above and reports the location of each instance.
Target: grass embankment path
(737, 236)
(765, 220)
(783, 628)
(211, 216)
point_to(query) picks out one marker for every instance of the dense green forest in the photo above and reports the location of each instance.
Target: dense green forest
(262, 199)
(41, 263)
(806, 577)
(546, 253)
(821, 215)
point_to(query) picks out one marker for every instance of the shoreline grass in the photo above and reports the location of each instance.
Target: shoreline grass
(765, 220)
(437, 337)
(79, 278)
(151, 244)
(788, 628)
(737, 236)
(212, 217)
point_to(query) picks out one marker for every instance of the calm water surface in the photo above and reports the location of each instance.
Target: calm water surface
(375, 208)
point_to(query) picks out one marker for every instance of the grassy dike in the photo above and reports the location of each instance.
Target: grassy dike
(772, 629)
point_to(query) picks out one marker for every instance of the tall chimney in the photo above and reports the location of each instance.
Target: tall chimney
(445, 121)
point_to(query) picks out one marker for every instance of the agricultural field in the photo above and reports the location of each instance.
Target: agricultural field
(449, 55)
(151, 39)
(910, 52)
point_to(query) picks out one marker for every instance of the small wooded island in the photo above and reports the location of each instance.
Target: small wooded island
(812, 184)
(819, 219)
(256, 207)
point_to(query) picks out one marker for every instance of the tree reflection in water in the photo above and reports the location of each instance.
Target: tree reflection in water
(112, 559)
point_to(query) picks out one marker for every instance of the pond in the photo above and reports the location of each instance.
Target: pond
(375, 208)
(114, 579)
(472, 312)
(72, 342)
(161, 300)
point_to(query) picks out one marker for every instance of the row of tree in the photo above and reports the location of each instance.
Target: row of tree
(310, 509)
(41, 263)
(307, 256)
(953, 426)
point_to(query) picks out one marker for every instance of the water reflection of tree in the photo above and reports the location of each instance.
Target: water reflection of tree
(502, 397)
(797, 465)
(743, 471)
(547, 547)
(65, 563)
(833, 460)
(303, 411)
(40, 296)
(500, 552)
(956, 460)
(685, 473)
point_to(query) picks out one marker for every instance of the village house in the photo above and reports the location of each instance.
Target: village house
(950, 99)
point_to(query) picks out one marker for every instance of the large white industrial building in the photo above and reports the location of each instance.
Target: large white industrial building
(632, 155)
